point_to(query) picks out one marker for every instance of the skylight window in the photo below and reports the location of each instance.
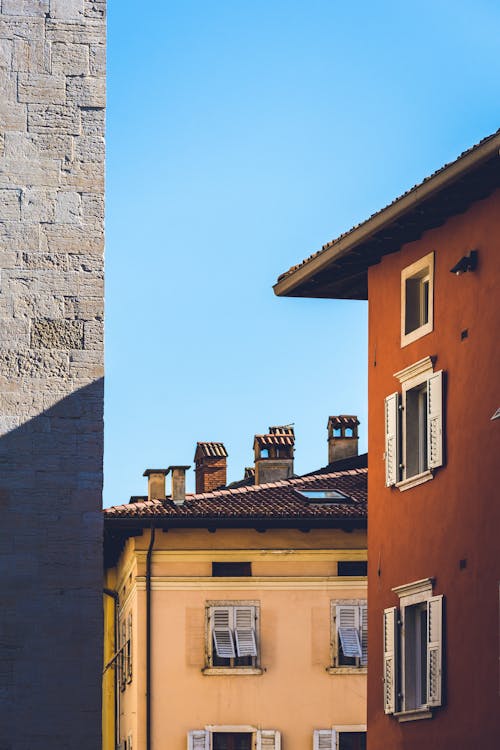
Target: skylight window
(325, 496)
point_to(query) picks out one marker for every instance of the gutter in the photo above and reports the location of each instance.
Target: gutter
(148, 637)
(347, 242)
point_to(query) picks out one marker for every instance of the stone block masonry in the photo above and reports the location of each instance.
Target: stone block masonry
(52, 99)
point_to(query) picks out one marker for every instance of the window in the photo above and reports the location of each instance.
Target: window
(125, 652)
(414, 426)
(413, 652)
(349, 626)
(231, 569)
(417, 283)
(234, 738)
(352, 568)
(232, 637)
(340, 738)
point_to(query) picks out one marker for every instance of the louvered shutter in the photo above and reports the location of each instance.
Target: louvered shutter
(129, 647)
(222, 635)
(198, 739)
(363, 617)
(348, 629)
(244, 631)
(434, 650)
(325, 739)
(392, 459)
(268, 739)
(435, 420)
(390, 659)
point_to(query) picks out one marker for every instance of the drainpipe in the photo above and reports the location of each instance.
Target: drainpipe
(148, 638)
(114, 595)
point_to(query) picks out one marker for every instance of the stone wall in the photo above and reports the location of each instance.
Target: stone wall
(52, 96)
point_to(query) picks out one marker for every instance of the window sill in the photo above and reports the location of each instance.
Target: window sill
(414, 481)
(211, 671)
(417, 333)
(347, 670)
(414, 714)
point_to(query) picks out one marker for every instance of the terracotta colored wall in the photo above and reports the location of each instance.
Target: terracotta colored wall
(427, 530)
(295, 694)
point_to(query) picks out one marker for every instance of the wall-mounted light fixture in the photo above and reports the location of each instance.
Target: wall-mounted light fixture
(467, 263)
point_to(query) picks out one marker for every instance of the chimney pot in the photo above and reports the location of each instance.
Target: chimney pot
(156, 483)
(210, 466)
(342, 437)
(178, 483)
(274, 454)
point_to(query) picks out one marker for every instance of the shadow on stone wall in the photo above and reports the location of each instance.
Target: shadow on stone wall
(51, 577)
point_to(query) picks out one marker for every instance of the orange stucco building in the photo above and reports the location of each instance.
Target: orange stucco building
(429, 265)
(236, 617)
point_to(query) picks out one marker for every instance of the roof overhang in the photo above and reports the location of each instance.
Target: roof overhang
(339, 269)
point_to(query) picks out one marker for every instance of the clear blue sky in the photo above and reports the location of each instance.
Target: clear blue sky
(242, 136)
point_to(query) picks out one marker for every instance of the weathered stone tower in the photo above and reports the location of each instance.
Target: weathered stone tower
(52, 81)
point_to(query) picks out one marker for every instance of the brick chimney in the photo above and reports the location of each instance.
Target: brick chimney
(274, 454)
(342, 437)
(156, 483)
(210, 466)
(178, 483)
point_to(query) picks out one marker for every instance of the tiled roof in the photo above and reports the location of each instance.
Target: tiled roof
(343, 420)
(274, 501)
(394, 214)
(274, 439)
(210, 450)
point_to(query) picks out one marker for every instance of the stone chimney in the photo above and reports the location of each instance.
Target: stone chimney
(342, 437)
(210, 466)
(178, 483)
(156, 483)
(274, 454)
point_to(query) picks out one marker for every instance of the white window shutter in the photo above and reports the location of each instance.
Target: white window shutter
(390, 659)
(363, 617)
(435, 420)
(348, 629)
(244, 631)
(198, 739)
(434, 650)
(268, 739)
(222, 635)
(392, 458)
(325, 739)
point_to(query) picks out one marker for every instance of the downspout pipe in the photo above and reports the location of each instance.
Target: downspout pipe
(114, 595)
(148, 637)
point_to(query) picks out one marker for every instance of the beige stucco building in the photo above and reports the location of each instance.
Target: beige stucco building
(240, 613)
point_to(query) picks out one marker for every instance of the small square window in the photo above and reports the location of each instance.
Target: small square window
(417, 282)
(231, 569)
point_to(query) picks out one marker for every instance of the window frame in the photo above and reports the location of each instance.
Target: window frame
(234, 669)
(201, 739)
(361, 665)
(422, 269)
(430, 456)
(407, 678)
(333, 735)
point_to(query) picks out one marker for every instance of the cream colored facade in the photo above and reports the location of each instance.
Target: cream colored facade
(293, 686)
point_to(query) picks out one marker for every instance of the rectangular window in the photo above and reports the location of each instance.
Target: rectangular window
(340, 738)
(417, 283)
(414, 426)
(232, 634)
(234, 738)
(413, 652)
(352, 568)
(349, 627)
(231, 569)
(124, 660)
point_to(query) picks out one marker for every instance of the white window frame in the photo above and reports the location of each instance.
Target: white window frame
(430, 456)
(211, 669)
(423, 271)
(402, 660)
(360, 607)
(329, 739)
(201, 739)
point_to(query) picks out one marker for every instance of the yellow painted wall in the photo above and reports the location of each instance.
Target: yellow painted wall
(294, 580)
